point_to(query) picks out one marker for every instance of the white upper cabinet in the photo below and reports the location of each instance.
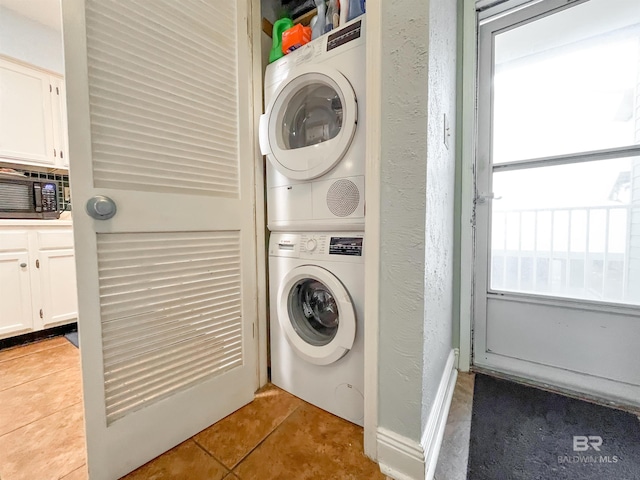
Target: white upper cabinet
(26, 128)
(33, 127)
(59, 118)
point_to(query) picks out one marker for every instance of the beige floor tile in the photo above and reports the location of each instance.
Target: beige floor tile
(21, 351)
(79, 474)
(45, 449)
(39, 364)
(187, 461)
(310, 445)
(31, 401)
(232, 438)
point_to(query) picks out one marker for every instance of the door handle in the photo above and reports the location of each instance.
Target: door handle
(101, 207)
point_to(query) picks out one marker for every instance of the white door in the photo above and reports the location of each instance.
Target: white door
(557, 297)
(310, 122)
(160, 123)
(15, 308)
(26, 130)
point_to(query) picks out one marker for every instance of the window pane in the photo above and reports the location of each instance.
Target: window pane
(566, 83)
(569, 230)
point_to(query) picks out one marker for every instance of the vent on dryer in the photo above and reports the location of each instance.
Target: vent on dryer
(343, 198)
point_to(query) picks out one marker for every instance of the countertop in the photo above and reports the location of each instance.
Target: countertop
(34, 223)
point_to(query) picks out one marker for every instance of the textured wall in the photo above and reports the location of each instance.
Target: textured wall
(30, 41)
(403, 200)
(439, 239)
(416, 254)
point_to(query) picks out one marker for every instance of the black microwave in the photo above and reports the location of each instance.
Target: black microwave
(24, 197)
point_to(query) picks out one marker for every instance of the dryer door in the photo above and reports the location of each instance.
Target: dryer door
(316, 314)
(310, 123)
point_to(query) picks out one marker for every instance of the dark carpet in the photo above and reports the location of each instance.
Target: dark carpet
(73, 338)
(523, 433)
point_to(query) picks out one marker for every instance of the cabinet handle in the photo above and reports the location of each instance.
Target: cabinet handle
(61, 154)
(41, 314)
(37, 263)
(54, 152)
(23, 265)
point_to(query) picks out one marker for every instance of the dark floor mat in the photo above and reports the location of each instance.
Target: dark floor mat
(523, 433)
(73, 338)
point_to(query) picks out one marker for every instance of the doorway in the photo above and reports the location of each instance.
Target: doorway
(557, 282)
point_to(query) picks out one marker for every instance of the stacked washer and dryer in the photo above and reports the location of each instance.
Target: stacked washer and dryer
(313, 136)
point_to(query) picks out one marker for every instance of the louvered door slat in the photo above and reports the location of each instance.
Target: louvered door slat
(138, 95)
(152, 320)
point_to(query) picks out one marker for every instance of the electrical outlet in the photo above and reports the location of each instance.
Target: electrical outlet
(447, 131)
(67, 194)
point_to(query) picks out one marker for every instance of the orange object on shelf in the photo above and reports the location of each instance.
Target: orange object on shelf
(295, 37)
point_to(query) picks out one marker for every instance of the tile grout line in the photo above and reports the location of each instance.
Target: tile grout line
(302, 402)
(72, 471)
(28, 354)
(209, 453)
(39, 378)
(42, 418)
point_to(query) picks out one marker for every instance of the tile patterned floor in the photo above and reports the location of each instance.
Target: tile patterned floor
(41, 419)
(277, 436)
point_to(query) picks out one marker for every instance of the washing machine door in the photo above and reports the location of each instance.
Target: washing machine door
(316, 314)
(310, 123)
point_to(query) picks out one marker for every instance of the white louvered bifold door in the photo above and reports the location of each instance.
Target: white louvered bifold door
(160, 122)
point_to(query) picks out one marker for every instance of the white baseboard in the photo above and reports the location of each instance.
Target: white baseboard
(404, 459)
(434, 429)
(399, 457)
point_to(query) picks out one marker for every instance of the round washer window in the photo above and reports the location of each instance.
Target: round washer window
(313, 115)
(313, 312)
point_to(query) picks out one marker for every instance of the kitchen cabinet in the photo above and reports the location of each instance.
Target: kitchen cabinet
(37, 276)
(33, 127)
(16, 315)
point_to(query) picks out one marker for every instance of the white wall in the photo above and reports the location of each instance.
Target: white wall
(403, 168)
(416, 218)
(30, 41)
(441, 162)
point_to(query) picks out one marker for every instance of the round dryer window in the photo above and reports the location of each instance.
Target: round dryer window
(316, 314)
(313, 115)
(310, 123)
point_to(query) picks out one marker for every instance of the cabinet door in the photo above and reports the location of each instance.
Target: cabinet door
(59, 110)
(26, 129)
(58, 287)
(15, 307)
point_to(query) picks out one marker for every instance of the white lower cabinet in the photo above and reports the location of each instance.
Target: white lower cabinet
(16, 314)
(37, 279)
(58, 287)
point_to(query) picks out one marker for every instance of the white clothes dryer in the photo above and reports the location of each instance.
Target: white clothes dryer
(317, 319)
(313, 134)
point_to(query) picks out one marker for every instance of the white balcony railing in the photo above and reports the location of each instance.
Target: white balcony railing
(580, 252)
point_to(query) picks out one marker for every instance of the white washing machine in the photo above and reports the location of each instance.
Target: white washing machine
(313, 134)
(317, 321)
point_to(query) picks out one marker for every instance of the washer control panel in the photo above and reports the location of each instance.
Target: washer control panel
(339, 247)
(313, 244)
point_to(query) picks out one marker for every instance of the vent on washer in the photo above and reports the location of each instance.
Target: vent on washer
(343, 198)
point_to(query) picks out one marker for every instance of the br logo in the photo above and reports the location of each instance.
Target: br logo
(582, 443)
